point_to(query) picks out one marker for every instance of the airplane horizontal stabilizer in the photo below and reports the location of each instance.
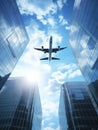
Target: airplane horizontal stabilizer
(46, 58)
(53, 58)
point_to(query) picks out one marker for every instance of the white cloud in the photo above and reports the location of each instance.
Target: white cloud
(67, 66)
(73, 43)
(85, 59)
(74, 29)
(84, 40)
(61, 3)
(51, 21)
(77, 4)
(58, 75)
(48, 128)
(51, 105)
(57, 38)
(67, 27)
(66, 71)
(39, 37)
(48, 20)
(53, 84)
(41, 9)
(75, 74)
(50, 108)
(58, 128)
(52, 124)
(62, 21)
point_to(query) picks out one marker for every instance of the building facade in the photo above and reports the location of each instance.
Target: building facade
(79, 111)
(13, 38)
(84, 36)
(20, 106)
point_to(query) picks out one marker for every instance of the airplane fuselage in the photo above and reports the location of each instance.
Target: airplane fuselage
(50, 48)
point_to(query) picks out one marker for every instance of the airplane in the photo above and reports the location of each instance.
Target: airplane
(50, 51)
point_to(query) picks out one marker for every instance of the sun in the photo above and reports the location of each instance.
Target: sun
(33, 77)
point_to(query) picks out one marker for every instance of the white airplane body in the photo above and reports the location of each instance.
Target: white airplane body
(50, 51)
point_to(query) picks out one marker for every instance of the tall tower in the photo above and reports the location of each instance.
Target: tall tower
(13, 38)
(20, 106)
(84, 42)
(77, 111)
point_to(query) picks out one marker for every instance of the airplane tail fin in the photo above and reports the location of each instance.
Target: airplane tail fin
(53, 58)
(46, 58)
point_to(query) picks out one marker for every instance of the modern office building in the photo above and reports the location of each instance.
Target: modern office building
(20, 106)
(77, 108)
(13, 38)
(84, 42)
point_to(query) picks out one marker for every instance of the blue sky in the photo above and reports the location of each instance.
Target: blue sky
(42, 19)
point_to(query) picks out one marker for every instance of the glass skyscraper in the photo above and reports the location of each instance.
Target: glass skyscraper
(77, 108)
(84, 42)
(20, 106)
(13, 38)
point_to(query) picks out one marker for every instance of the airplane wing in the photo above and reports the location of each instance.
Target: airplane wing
(53, 58)
(46, 58)
(42, 49)
(58, 49)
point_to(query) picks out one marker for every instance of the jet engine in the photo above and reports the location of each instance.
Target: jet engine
(42, 47)
(58, 47)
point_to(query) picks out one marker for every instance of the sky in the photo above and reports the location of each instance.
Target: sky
(42, 19)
